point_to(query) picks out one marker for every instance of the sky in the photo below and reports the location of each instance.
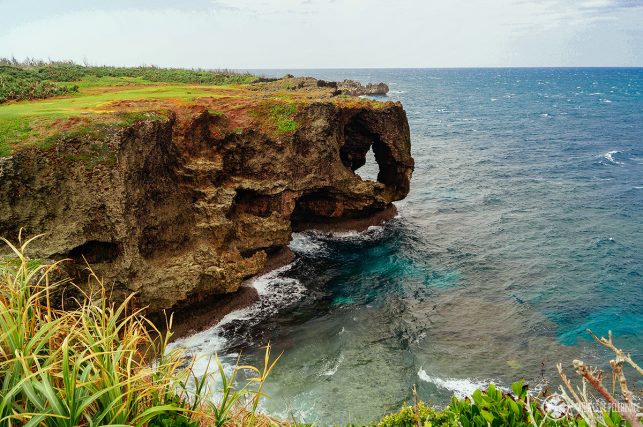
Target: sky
(253, 34)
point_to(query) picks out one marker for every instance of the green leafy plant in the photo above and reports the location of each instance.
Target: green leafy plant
(233, 398)
(172, 420)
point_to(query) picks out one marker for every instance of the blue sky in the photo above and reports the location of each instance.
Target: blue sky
(246, 34)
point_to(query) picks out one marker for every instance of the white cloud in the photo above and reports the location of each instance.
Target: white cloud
(328, 33)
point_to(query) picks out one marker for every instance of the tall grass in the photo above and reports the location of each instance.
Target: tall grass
(98, 364)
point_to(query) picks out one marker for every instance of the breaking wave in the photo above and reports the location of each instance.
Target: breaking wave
(460, 387)
(609, 156)
(275, 292)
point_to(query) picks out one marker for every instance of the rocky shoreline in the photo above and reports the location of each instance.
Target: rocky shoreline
(210, 312)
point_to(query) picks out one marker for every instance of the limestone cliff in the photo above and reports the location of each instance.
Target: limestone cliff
(189, 202)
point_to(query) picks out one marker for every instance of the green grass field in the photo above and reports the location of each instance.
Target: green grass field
(23, 123)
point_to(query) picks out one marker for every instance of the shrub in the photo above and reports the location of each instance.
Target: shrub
(408, 416)
(494, 408)
(19, 84)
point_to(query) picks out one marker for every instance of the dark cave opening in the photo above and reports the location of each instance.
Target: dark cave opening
(315, 206)
(251, 202)
(96, 251)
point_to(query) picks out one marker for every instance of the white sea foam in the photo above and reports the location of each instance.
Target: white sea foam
(609, 156)
(314, 241)
(420, 337)
(306, 244)
(275, 292)
(460, 387)
(331, 366)
(373, 232)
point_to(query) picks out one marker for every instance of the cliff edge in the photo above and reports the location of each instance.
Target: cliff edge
(181, 199)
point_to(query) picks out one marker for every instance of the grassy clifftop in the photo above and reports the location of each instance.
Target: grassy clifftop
(40, 103)
(37, 98)
(38, 80)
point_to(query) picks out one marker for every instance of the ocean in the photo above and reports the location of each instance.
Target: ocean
(523, 228)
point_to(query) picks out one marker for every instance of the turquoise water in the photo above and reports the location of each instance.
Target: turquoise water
(522, 229)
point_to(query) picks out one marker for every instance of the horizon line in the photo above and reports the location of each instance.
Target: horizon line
(449, 68)
(279, 68)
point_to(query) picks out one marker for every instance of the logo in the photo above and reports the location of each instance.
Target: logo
(554, 407)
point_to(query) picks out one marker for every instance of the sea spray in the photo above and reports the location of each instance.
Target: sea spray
(461, 388)
(275, 291)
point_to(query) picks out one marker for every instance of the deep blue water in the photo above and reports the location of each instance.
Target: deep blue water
(524, 227)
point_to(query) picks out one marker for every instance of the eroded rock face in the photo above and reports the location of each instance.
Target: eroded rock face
(353, 88)
(185, 209)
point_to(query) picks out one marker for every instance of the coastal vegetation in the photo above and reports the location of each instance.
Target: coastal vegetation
(66, 90)
(279, 115)
(96, 363)
(35, 79)
(92, 362)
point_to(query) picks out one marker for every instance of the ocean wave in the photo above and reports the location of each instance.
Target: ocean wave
(460, 387)
(275, 292)
(314, 241)
(609, 156)
(374, 232)
(305, 243)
